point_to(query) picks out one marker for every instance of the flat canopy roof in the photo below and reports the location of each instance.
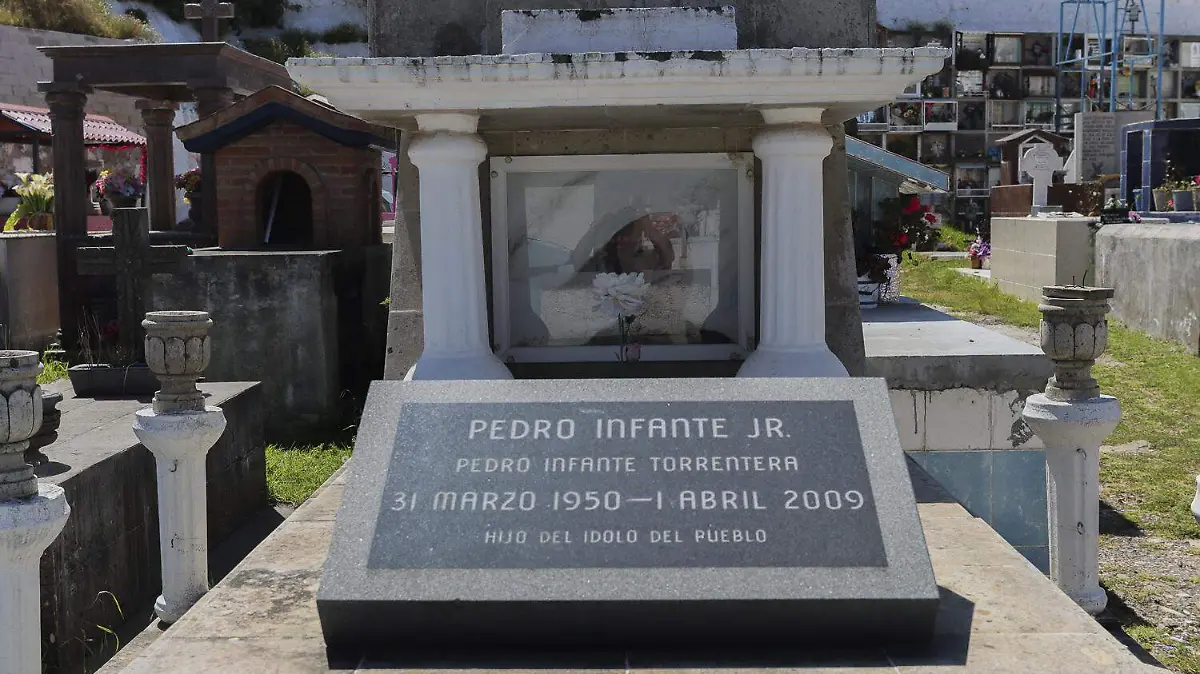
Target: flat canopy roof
(619, 89)
(23, 124)
(873, 159)
(164, 72)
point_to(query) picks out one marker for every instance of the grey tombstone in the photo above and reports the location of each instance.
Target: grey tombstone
(606, 513)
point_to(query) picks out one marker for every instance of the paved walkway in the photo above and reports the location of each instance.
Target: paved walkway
(999, 615)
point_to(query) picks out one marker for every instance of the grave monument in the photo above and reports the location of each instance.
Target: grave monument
(606, 513)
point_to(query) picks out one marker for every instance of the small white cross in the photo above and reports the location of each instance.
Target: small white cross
(1040, 162)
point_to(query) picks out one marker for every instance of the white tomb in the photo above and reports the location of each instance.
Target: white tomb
(621, 162)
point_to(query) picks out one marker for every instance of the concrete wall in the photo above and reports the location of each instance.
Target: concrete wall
(1035, 16)
(28, 290)
(22, 65)
(308, 325)
(1028, 253)
(110, 543)
(1156, 273)
(463, 27)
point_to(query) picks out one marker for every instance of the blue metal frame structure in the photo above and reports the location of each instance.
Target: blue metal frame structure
(1107, 22)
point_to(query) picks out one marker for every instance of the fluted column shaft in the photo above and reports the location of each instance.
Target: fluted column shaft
(792, 284)
(447, 155)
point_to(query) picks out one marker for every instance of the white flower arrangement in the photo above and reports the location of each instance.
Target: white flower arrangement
(620, 295)
(623, 297)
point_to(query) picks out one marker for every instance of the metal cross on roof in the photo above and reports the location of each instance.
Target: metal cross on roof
(209, 13)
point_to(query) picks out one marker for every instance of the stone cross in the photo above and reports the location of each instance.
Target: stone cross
(1040, 162)
(209, 13)
(132, 260)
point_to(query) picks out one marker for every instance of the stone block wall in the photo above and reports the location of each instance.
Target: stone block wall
(464, 27)
(308, 325)
(22, 65)
(28, 290)
(1156, 275)
(344, 182)
(1028, 253)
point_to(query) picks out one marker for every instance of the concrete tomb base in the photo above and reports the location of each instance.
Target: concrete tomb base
(307, 324)
(1154, 271)
(1028, 253)
(998, 614)
(109, 549)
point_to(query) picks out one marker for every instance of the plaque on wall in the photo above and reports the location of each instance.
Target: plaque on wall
(621, 513)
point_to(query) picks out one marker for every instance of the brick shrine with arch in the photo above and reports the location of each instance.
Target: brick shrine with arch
(292, 172)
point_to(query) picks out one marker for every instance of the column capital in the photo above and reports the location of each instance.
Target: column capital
(801, 140)
(447, 148)
(66, 103)
(787, 116)
(145, 105)
(154, 115)
(454, 122)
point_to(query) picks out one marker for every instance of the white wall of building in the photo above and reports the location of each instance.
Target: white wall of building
(1027, 16)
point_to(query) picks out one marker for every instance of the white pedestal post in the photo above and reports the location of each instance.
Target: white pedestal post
(1073, 419)
(31, 515)
(179, 430)
(792, 326)
(447, 154)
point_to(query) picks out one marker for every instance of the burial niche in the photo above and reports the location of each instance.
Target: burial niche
(286, 208)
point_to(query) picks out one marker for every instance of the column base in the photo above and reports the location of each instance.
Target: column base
(171, 615)
(1093, 600)
(818, 361)
(467, 366)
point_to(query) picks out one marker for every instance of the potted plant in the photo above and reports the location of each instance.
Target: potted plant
(35, 210)
(979, 252)
(1181, 194)
(906, 223)
(1115, 210)
(1195, 189)
(121, 189)
(189, 182)
(109, 368)
(1162, 198)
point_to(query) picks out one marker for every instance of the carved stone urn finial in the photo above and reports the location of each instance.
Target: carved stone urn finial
(20, 419)
(178, 350)
(1074, 333)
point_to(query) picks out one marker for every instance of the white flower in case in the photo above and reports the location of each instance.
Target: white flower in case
(620, 295)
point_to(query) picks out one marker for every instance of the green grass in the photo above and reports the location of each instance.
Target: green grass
(955, 238)
(83, 17)
(52, 371)
(295, 472)
(1157, 382)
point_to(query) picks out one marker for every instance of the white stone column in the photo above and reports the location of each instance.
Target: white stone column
(447, 153)
(179, 430)
(792, 282)
(31, 515)
(1073, 419)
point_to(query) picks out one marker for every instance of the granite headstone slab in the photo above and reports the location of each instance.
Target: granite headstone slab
(623, 513)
